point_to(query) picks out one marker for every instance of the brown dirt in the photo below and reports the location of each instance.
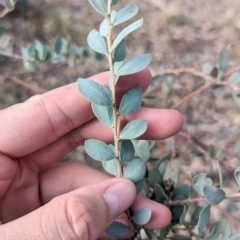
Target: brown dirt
(178, 33)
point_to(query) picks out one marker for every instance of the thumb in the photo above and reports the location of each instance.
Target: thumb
(81, 214)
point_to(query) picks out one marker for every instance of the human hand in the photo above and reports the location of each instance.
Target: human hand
(44, 200)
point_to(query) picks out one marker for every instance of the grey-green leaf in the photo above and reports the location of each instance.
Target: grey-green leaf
(182, 189)
(113, 15)
(177, 210)
(120, 52)
(58, 45)
(31, 67)
(139, 185)
(103, 29)
(183, 215)
(213, 194)
(154, 177)
(235, 237)
(198, 182)
(117, 229)
(160, 194)
(143, 150)
(237, 176)
(9, 4)
(96, 42)
(94, 92)
(99, 150)
(204, 217)
(223, 60)
(142, 216)
(125, 14)
(135, 170)
(25, 53)
(134, 129)
(216, 230)
(163, 163)
(226, 231)
(195, 216)
(110, 166)
(131, 101)
(132, 27)
(235, 78)
(133, 65)
(173, 171)
(103, 113)
(99, 5)
(114, 2)
(127, 151)
(208, 182)
(39, 47)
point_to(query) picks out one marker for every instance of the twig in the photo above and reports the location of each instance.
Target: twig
(192, 95)
(27, 85)
(210, 81)
(202, 148)
(12, 55)
(228, 215)
(192, 200)
(178, 71)
(231, 71)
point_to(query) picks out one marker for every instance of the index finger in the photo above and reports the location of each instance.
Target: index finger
(29, 126)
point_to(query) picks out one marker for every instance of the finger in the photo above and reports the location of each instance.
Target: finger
(81, 214)
(53, 183)
(31, 125)
(161, 124)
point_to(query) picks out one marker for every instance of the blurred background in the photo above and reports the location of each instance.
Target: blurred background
(179, 34)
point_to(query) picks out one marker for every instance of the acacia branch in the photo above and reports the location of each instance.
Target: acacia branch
(192, 95)
(34, 88)
(209, 81)
(12, 55)
(202, 148)
(192, 200)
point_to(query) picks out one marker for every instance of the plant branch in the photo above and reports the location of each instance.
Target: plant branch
(26, 85)
(192, 200)
(113, 77)
(203, 149)
(209, 81)
(192, 95)
(12, 55)
(228, 215)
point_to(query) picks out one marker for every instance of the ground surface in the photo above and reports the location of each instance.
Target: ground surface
(178, 33)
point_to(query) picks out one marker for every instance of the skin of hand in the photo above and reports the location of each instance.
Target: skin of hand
(43, 199)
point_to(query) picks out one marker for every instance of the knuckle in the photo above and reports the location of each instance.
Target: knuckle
(81, 217)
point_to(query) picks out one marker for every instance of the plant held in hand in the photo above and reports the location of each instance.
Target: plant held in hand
(118, 159)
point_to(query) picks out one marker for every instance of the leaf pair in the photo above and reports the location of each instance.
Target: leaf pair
(129, 66)
(204, 187)
(131, 101)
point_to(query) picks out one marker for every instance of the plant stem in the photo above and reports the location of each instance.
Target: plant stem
(192, 200)
(113, 77)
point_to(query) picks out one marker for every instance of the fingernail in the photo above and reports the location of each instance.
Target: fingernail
(119, 197)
